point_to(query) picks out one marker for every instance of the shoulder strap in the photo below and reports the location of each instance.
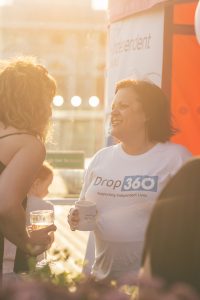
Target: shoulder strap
(15, 133)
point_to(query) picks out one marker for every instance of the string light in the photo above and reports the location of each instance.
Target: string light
(94, 101)
(58, 100)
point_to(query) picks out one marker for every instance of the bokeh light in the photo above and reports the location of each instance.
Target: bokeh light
(58, 100)
(94, 101)
(76, 101)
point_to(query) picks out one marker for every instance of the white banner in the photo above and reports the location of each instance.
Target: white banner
(135, 51)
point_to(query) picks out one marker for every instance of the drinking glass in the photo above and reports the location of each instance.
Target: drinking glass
(40, 219)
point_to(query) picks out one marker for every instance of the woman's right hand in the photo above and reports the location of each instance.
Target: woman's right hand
(73, 218)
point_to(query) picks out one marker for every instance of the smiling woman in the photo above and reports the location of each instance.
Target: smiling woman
(125, 179)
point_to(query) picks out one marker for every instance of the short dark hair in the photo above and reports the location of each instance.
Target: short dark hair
(156, 108)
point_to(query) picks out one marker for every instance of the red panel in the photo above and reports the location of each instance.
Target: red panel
(186, 90)
(184, 13)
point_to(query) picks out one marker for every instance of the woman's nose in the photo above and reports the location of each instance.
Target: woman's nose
(114, 111)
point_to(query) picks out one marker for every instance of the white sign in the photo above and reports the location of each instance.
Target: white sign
(135, 50)
(197, 22)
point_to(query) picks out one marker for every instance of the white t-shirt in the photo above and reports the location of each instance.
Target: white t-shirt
(124, 188)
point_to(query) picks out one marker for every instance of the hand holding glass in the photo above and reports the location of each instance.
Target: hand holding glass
(40, 219)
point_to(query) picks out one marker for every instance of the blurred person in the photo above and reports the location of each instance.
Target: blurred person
(26, 94)
(125, 179)
(172, 243)
(37, 192)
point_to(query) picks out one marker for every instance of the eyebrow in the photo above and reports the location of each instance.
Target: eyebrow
(123, 102)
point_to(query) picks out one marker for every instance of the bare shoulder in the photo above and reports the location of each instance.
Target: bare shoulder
(25, 162)
(32, 141)
(23, 155)
(32, 146)
(25, 144)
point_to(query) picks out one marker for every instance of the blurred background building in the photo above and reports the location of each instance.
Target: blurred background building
(69, 37)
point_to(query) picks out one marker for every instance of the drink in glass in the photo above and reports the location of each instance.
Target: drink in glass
(40, 219)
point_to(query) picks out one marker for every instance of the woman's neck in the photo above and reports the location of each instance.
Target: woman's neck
(137, 148)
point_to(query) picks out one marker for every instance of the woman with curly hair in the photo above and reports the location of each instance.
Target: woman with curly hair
(26, 94)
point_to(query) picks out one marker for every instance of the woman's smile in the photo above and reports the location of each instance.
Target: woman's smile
(115, 121)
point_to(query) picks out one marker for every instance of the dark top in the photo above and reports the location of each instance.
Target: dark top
(21, 258)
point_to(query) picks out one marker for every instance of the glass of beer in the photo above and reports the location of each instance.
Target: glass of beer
(40, 219)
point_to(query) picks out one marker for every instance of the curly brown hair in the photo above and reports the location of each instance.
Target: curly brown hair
(26, 94)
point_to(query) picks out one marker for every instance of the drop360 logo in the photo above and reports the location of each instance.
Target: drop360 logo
(140, 183)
